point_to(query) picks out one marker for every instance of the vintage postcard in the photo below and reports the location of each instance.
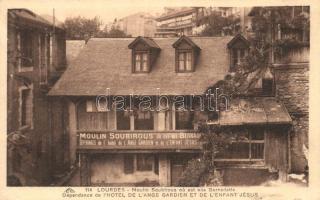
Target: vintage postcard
(160, 100)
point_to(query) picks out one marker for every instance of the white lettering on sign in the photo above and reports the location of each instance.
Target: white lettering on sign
(138, 140)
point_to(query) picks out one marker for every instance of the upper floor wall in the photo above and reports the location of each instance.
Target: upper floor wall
(35, 60)
(111, 57)
(35, 46)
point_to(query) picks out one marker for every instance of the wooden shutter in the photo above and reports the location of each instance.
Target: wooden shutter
(156, 164)
(128, 163)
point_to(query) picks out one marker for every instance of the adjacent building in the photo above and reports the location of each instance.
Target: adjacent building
(290, 61)
(138, 24)
(36, 59)
(126, 128)
(191, 20)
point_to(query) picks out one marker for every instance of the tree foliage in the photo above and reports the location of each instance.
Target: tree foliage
(218, 25)
(256, 64)
(80, 28)
(195, 171)
(116, 33)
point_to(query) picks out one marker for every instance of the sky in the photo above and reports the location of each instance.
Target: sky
(107, 10)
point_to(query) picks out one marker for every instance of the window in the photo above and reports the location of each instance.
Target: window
(184, 120)
(25, 41)
(128, 163)
(237, 55)
(140, 163)
(267, 87)
(145, 162)
(238, 49)
(43, 60)
(141, 62)
(185, 61)
(97, 106)
(248, 147)
(90, 118)
(144, 53)
(143, 120)
(123, 120)
(186, 53)
(26, 105)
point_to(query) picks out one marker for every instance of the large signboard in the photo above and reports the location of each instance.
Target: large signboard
(138, 140)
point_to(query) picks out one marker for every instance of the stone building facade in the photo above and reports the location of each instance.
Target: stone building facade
(36, 59)
(291, 70)
(293, 89)
(138, 24)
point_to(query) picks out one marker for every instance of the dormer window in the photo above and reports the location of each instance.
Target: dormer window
(238, 49)
(185, 61)
(144, 53)
(268, 83)
(141, 62)
(238, 55)
(187, 53)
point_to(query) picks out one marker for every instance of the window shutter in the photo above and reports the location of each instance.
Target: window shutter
(267, 87)
(128, 163)
(89, 106)
(156, 164)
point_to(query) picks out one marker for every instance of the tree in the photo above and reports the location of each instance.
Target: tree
(116, 33)
(80, 27)
(218, 25)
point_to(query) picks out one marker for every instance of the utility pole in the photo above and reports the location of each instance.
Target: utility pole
(53, 20)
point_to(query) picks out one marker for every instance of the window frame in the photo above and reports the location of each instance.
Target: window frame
(176, 116)
(267, 93)
(91, 107)
(145, 158)
(83, 104)
(250, 141)
(185, 53)
(135, 117)
(22, 35)
(132, 120)
(238, 58)
(29, 123)
(117, 112)
(134, 162)
(134, 61)
(43, 58)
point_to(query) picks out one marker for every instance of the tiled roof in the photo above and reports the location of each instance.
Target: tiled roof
(149, 41)
(106, 63)
(29, 16)
(259, 110)
(188, 40)
(73, 48)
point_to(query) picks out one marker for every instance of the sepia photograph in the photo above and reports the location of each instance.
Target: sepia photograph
(160, 97)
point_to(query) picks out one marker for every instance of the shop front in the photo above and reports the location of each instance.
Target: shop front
(144, 158)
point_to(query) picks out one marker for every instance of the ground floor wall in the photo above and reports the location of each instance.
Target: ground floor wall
(292, 86)
(299, 144)
(109, 169)
(105, 169)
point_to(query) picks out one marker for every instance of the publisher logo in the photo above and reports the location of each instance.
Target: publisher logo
(69, 190)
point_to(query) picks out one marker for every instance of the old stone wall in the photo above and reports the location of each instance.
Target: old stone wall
(34, 165)
(292, 89)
